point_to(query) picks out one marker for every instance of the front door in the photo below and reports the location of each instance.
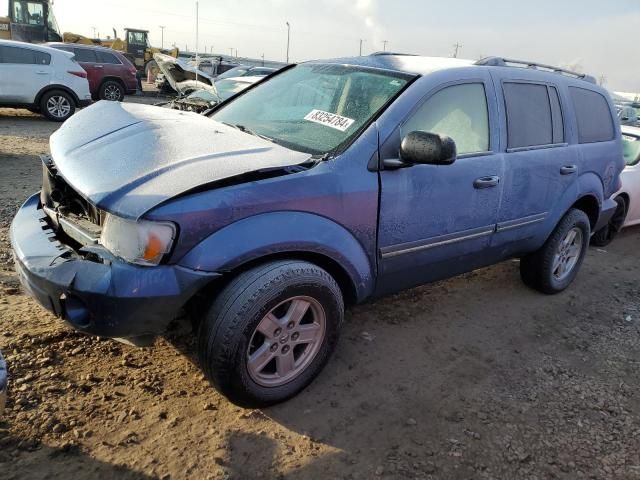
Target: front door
(437, 221)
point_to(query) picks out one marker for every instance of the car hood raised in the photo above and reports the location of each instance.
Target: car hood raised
(128, 158)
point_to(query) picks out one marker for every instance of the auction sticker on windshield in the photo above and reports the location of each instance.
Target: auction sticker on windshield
(329, 119)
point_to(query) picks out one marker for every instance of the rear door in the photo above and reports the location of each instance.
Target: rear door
(24, 72)
(111, 66)
(87, 59)
(539, 164)
(437, 221)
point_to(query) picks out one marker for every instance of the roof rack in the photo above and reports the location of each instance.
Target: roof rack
(380, 54)
(507, 62)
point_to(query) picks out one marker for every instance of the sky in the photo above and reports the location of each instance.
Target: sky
(598, 37)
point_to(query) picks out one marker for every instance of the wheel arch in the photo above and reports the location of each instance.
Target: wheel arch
(64, 88)
(114, 79)
(590, 205)
(287, 235)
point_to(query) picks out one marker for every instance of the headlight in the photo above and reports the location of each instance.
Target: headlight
(140, 242)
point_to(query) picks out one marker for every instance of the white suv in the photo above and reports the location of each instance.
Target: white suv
(41, 79)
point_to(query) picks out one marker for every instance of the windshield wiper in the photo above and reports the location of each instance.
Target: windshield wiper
(244, 129)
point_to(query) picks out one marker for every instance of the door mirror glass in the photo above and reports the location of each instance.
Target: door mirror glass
(420, 147)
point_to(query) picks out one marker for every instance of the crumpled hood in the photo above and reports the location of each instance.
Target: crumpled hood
(127, 158)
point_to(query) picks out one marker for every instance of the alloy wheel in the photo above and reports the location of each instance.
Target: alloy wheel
(568, 254)
(58, 106)
(112, 93)
(286, 341)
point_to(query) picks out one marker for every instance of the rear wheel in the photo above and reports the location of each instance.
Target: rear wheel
(270, 332)
(57, 105)
(552, 268)
(606, 234)
(112, 91)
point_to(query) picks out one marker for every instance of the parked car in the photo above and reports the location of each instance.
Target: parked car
(3, 384)
(247, 71)
(206, 98)
(628, 197)
(111, 75)
(627, 115)
(41, 79)
(332, 183)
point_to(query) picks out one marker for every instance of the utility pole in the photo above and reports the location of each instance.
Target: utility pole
(197, 35)
(288, 39)
(384, 45)
(263, 59)
(231, 50)
(361, 42)
(457, 47)
(162, 27)
(94, 32)
(603, 80)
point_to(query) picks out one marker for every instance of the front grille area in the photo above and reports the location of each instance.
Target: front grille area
(70, 213)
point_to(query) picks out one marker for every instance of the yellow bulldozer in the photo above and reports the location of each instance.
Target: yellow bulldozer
(135, 47)
(33, 21)
(30, 21)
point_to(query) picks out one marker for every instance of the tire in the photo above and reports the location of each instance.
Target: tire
(264, 296)
(57, 105)
(606, 234)
(112, 91)
(544, 270)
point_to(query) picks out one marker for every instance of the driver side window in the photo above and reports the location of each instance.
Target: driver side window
(460, 112)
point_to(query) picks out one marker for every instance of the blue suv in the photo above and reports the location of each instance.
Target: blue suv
(328, 184)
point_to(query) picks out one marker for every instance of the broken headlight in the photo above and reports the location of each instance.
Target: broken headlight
(141, 242)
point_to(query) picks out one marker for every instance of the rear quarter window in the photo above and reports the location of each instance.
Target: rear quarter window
(593, 116)
(85, 55)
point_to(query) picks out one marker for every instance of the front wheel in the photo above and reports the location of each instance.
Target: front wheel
(606, 234)
(552, 268)
(270, 332)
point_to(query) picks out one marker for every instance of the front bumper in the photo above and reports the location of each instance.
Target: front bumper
(3, 385)
(103, 296)
(606, 212)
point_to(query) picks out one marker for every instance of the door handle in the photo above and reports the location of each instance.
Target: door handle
(486, 182)
(40, 72)
(99, 66)
(568, 169)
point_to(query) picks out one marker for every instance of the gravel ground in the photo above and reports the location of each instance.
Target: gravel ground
(474, 377)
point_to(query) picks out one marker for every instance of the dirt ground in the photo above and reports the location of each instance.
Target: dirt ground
(475, 377)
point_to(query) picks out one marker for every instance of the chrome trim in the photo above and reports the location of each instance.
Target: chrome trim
(402, 248)
(521, 222)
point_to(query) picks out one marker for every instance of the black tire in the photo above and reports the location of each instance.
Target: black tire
(57, 105)
(228, 327)
(537, 269)
(606, 234)
(112, 91)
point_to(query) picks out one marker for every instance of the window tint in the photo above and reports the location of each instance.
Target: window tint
(556, 112)
(106, 57)
(23, 56)
(460, 112)
(593, 115)
(85, 55)
(528, 115)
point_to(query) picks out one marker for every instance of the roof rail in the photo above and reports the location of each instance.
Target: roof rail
(380, 54)
(507, 62)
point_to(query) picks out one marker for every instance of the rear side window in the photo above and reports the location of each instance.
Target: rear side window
(460, 112)
(17, 55)
(106, 57)
(593, 116)
(85, 55)
(529, 121)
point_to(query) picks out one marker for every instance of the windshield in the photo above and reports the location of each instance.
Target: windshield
(227, 88)
(233, 72)
(314, 108)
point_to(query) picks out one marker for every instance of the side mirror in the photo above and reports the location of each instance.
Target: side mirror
(427, 148)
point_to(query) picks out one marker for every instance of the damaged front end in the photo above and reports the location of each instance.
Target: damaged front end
(182, 77)
(61, 263)
(197, 102)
